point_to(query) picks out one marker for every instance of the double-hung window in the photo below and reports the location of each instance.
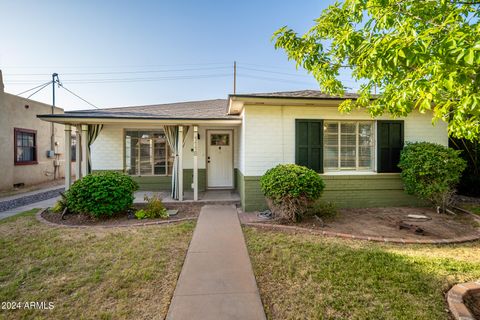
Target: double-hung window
(348, 145)
(147, 153)
(25, 146)
(334, 146)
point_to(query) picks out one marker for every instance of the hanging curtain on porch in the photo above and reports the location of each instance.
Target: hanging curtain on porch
(171, 134)
(93, 132)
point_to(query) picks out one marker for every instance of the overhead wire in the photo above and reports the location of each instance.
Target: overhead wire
(76, 95)
(117, 72)
(46, 83)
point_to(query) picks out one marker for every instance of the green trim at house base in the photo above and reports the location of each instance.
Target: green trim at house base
(346, 191)
(164, 183)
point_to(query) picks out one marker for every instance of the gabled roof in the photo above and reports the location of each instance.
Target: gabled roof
(197, 110)
(301, 94)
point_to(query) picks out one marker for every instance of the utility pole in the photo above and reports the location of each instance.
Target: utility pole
(52, 133)
(234, 77)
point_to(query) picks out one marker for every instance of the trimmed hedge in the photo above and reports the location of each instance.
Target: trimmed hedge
(101, 194)
(290, 188)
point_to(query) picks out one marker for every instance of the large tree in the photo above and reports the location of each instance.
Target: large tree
(417, 54)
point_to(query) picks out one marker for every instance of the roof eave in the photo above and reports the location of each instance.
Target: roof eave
(65, 119)
(236, 102)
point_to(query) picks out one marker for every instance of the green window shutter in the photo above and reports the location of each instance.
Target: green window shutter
(389, 145)
(309, 144)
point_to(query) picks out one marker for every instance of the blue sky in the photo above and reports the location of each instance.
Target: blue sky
(120, 53)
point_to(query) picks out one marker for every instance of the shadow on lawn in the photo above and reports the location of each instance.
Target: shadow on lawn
(330, 278)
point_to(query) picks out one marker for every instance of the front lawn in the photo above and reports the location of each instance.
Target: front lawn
(95, 273)
(311, 277)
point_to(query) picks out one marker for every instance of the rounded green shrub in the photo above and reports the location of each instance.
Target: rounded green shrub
(431, 171)
(101, 194)
(290, 188)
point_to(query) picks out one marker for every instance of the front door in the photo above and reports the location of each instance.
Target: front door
(219, 159)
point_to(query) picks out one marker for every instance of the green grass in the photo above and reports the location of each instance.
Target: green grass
(115, 273)
(310, 277)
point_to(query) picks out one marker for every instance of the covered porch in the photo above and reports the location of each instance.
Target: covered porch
(198, 161)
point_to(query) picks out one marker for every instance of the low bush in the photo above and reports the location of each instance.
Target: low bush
(290, 189)
(431, 172)
(101, 194)
(154, 209)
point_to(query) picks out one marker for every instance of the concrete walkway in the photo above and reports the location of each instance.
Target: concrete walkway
(217, 280)
(39, 205)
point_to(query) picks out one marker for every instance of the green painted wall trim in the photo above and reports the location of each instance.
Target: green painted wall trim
(346, 191)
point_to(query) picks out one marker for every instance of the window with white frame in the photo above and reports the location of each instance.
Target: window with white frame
(348, 145)
(147, 153)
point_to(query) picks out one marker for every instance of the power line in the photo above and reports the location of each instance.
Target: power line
(76, 95)
(118, 66)
(115, 80)
(46, 85)
(33, 88)
(117, 72)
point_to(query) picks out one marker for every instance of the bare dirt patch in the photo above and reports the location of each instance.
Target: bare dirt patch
(185, 211)
(384, 222)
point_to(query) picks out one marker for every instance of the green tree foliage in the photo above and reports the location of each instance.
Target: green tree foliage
(101, 194)
(422, 55)
(290, 189)
(431, 171)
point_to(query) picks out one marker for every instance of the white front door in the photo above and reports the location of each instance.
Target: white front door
(219, 159)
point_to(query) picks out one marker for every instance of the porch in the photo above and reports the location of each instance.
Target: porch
(165, 158)
(206, 197)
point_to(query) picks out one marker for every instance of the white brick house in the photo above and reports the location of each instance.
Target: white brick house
(229, 144)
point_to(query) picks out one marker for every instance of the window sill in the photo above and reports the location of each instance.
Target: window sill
(25, 163)
(358, 173)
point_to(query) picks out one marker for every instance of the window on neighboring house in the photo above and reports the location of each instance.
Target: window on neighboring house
(147, 153)
(349, 145)
(25, 146)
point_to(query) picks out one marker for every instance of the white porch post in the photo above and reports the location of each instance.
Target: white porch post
(195, 163)
(78, 160)
(180, 163)
(68, 156)
(84, 149)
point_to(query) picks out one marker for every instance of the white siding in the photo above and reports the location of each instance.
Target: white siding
(107, 150)
(269, 135)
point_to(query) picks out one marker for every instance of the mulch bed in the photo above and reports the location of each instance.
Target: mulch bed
(184, 212)
(472, 301)
(384, 223)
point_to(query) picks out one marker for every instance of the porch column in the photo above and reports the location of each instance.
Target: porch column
(84, 149)
(68, 156)
(180, 163)
(78, 159)
(195, 163)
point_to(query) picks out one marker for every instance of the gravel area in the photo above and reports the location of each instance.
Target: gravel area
(26, 200)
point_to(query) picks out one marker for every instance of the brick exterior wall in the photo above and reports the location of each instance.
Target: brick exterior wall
(346, 191)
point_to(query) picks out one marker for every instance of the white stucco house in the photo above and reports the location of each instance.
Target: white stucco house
(230, 143)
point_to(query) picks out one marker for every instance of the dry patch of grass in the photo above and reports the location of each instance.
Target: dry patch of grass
(117, 273)
(310, 277)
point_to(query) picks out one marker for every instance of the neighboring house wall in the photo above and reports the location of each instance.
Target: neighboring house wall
(269, 139)
(108, 153)
(15, 114)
